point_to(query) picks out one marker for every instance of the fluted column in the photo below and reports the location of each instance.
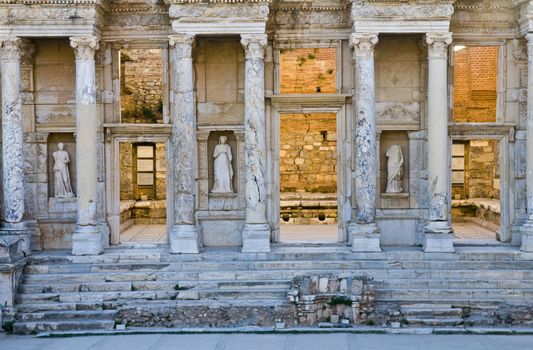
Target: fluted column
(527, 228)
(363, 231)
(439, 233)
(183, 234)
(87, 239)
(256, 233)
(12, 145)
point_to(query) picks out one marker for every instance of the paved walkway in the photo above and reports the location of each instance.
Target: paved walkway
(341, 341)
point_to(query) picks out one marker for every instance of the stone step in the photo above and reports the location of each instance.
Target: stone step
(434, 322)
(453, 284)
(66, 315)
(453, 294)
(30, 327)
(33, 288)
(428, 312)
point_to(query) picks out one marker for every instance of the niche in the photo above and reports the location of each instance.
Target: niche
(401, 199)
(69, 145)
(212, 141)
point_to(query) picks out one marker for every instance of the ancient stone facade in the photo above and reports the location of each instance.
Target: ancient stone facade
(383, 69)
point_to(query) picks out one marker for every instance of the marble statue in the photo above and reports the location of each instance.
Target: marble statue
(394, 169)
(62, 187)
(223, 171)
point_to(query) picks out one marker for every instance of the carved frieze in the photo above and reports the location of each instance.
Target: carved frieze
(430, 10)
(203, 12)
(389, 112)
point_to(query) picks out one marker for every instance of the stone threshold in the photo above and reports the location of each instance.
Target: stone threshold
(297, 330)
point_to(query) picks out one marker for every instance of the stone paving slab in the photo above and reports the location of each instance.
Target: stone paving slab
(338, 341)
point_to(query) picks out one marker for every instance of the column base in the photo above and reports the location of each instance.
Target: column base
(364, 237)
(256, 238)
(183, 239)
(21, 230)
(87, 240)
(438, 237)
(527, 237)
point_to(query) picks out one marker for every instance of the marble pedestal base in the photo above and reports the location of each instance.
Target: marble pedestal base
(364, 237)
(184, 239)
(438, 238)
(87, 240)
(15, 231)
(256, 238)
(527, 236)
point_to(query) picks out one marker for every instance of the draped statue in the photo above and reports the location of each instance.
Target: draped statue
(223, 171)
(62, 187)
(394, 169)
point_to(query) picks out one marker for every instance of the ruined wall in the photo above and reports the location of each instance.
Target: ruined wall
(141, 89)
(481, 171)
(308, 70)
(308, 159)
(475, 78)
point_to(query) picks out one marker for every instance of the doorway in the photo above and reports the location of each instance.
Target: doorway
(476, 190)
(143, 189)
(308, 177)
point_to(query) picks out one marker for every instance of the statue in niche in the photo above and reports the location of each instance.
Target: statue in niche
(394, 169)
(62, 187)
(223, 171)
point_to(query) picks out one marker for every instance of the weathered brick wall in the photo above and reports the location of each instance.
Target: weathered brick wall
(307, 70)
(475, 78)
(308, 158)
(141, 85)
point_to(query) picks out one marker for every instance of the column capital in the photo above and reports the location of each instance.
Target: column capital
(254, 45)
(529, 37)
(437, 44)
(12, 48)
(363, 44)
(183, 43)
(84, 47)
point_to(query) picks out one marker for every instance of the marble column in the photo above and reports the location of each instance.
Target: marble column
(13, 232)
(363, 231)
(527, 228)
(256, 233)
(183, 235)
(87, 239)
(438, 233)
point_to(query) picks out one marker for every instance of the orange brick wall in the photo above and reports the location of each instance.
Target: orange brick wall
(303, 70)
(308, 158)
(475, 78)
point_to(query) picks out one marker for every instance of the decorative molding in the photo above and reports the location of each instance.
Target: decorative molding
(426, 11)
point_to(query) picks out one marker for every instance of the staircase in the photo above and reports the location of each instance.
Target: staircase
(149, 287)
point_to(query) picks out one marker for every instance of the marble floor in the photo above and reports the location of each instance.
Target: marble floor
(144, 234)
(471, 230)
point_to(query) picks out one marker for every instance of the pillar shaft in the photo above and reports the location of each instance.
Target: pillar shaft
(256, 234)
(12, 135)
(184, 233)
(438, 237)
(527, 229)
(363, 231)
(86, 240)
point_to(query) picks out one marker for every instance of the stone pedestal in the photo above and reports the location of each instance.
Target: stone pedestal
(363, 231)
(527, 228)
(87, 239)
(256, 233)
(438, 236)
(183, 234)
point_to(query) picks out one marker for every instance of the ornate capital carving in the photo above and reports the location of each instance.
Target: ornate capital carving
(363, 44)
(254, 45)
(84, 47)
(11, 49)
(438, 44)
(183, 43)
